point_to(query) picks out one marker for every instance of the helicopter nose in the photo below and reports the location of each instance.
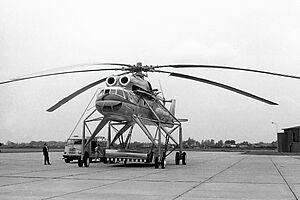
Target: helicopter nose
(108, 106)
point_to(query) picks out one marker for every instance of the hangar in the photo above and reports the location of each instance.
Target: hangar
(289, 140)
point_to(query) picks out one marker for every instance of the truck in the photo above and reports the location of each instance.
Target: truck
(94, 150)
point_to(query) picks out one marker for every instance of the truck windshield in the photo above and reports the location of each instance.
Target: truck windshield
(74, 141)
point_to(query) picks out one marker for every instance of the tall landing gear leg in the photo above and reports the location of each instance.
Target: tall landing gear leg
(180, 155)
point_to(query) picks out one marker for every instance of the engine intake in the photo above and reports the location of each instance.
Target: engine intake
(124, 80)
(111, 80)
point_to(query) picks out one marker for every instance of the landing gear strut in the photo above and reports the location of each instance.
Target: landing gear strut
(163, 140)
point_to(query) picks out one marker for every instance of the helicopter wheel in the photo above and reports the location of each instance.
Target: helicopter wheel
(177, 158)
(163, 162)
(184, 158)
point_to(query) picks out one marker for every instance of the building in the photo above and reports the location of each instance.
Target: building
(289, 140)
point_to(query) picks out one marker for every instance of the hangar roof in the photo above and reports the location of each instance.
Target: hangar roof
(295, 127)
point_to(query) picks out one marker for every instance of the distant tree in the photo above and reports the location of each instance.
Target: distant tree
(230, 142)
(9, 143)
(274, 144)
(244, 143)
(207, 143)
(190, 143)
(219, 144)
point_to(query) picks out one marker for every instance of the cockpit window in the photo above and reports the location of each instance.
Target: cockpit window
(101, 92)
(120, 92)
(112, 91)
(126, 95)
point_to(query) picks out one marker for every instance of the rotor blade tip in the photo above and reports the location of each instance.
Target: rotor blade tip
(50, 109)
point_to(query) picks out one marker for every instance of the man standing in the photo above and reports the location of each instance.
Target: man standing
(46, 154)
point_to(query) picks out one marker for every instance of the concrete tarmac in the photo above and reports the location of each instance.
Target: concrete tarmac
(207, 175)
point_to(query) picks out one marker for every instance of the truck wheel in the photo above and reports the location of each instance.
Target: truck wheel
(103, 159)
(177, 159)
(156, 162)
(184, 158)
(67, 161)
(86, 160)
(80, 163)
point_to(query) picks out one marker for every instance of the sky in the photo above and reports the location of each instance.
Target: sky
(44, 35)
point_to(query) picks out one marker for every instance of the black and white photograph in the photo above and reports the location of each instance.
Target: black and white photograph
(149, 100)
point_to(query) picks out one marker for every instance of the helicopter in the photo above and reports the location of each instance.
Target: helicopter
(128, 99)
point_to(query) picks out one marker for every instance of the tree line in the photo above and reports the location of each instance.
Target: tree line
(190, 143)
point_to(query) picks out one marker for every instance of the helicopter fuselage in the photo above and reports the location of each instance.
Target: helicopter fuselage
(120, 103)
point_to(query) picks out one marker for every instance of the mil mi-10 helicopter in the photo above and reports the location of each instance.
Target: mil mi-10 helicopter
(128, 99)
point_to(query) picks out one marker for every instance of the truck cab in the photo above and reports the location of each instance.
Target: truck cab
(73, 148)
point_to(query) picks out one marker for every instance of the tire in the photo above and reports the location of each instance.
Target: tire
(104, 160)
(86, 160)
(156, 162)
(163, 163)
(177, 159)
(80, 163)
(67, 161)
(184, 158)
(148, 160)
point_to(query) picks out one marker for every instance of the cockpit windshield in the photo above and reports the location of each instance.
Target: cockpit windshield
(116, 91)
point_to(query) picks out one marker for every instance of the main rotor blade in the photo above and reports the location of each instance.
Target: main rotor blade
(202, 80)
(58, 73)
(76, 93)
(117, 64)
(230, 68)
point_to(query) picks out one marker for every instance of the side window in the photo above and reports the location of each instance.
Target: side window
(126, 95)
(130, 97)
(106, 91)
(101, 92)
